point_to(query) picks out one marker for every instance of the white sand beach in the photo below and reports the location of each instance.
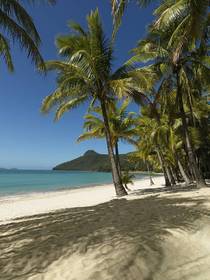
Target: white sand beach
(153, 233)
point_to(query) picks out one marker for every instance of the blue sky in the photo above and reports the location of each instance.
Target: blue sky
(29, 139)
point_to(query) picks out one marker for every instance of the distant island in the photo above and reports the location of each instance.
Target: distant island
(93, 161)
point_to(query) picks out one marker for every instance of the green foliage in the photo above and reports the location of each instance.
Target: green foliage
(118, 9)
(17, 26)
(85, 72)
(127, 178)
(122, 124)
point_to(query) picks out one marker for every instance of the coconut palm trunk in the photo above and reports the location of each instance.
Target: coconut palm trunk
(117, 157)
(169, 175)
(120, 190)
(167, 180)
(172, 175)
(176, 173)
(183, 173)
(189, 149)
(149, 172)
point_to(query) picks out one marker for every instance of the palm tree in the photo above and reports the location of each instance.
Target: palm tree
(85, 75)
(127, 178)
(17, 25)
(122, 126)
(153, 139)
(173, 125)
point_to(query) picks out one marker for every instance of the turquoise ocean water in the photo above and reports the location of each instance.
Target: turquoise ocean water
(25, 181)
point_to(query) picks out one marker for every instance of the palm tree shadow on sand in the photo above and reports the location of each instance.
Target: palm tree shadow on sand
(121, 239)
(174, 189)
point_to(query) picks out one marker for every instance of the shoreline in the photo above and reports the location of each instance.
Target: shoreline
(67, 188)
(71, 188)
(28, 204)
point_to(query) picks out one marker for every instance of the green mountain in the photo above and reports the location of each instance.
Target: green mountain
(92, 161)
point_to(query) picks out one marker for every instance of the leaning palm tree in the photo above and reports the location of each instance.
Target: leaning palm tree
(85, 75)
(17, 25)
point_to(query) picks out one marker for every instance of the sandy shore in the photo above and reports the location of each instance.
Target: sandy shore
(153, 234)
(12, 207)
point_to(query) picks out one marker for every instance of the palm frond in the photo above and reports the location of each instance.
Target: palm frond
(66, 106)
(19, 27)
(5, 52)
(89, 135)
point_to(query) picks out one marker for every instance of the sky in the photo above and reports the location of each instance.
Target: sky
(28, 139)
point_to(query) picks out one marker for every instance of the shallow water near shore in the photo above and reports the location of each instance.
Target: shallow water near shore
(13, 182)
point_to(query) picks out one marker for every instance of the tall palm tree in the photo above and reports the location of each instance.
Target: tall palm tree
(17, 25)
(85, 75)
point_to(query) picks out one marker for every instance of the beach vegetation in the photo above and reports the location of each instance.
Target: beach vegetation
(127, 178)
(177, 47)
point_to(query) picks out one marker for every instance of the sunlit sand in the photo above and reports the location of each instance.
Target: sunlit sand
(154, 233)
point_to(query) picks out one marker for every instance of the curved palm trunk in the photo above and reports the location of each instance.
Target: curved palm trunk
(166, 173)
(120, 190)
(169, 176)
(176, 173)
(191, 156)
(172, 176)
(150, 176)
(117, 157)
(167, 181)
(184, 175)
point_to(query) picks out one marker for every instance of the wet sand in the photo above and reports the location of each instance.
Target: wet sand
(154, 234)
